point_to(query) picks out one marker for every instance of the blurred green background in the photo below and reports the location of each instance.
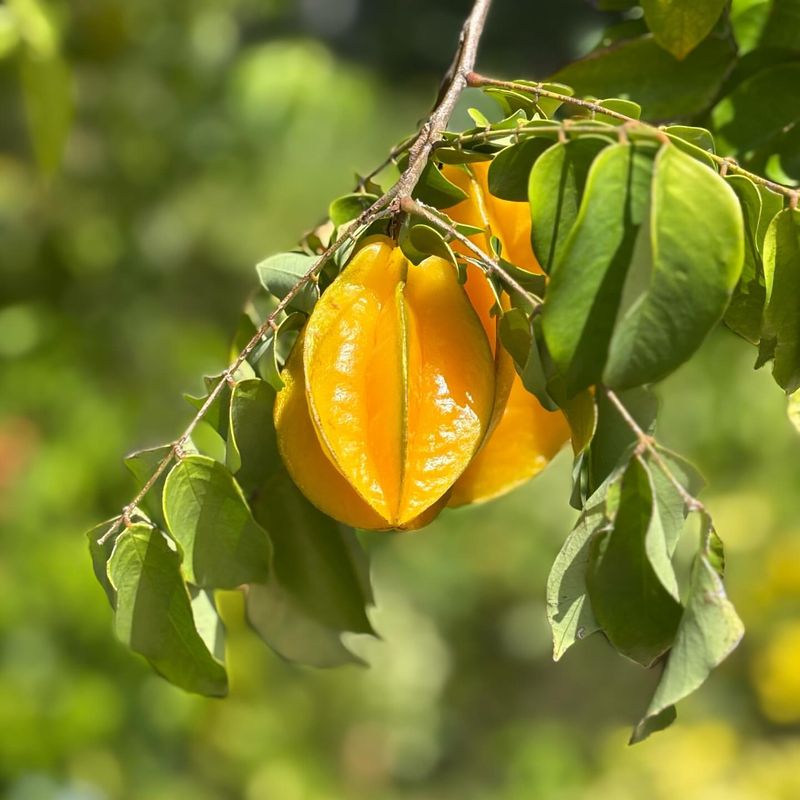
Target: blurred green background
(205, 136)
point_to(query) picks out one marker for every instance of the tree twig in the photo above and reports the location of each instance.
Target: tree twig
(474, 79)
(646, 442)
(390, 202)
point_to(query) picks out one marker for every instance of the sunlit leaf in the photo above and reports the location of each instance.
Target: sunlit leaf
(680, 281)
(586, 281)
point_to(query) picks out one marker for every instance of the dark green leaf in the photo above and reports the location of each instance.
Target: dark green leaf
(510, 168)
(154, 614)
(638, 615)
(425, 241)
(207, 514)
(680, 25)
(47, 91)
(217, 414)
(758, 110)
(678, 291)
(555, 190)
(782, 316)
(279, 273)
(709, 631)
(644, 72)
(586, 281)
(280, 343)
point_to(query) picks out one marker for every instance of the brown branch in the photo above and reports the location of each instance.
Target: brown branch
(476, 80)
(390, 202)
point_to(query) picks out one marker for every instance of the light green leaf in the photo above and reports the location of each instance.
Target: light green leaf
(641, 70)
(154, 614)
(709, 631)
(555, 189)
(782, 316)
(279, 273)
(586, 281)
(680, 25)
(638, 615)
(792, 410)
(207, 514)
(677, 292)
(626, 107)
(271, 361)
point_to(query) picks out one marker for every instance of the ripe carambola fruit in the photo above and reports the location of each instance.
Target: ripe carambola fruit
(524, 436)
(388, 393)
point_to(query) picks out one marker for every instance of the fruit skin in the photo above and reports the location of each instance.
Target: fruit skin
(398, 381)
(524, 437)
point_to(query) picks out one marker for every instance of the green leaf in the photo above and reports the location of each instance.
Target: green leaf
(274, 616)
(435, 190)
(555, 189)
(709, 631)
(154, 614)
(510, 168)
(100, 554)
(680, 25)
(641, 70)
(347, 208)
(626, 107)
(782, 316)
(771, 206)
(271, 361)
(637, 614)
(279, 273)
(207, 621)
(758, 111)
(217, 414)
(548, 105)
(678, 291)
(697, 142)
(142, 464)
(207, 514)
(424, 241)
(47, 92)
(746, 310)
(586, 281)
(319, 580)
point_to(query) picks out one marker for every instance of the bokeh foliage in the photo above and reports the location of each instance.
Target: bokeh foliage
(205, 136)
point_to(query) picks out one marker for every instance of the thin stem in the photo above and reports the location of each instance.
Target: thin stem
(419, 150)
(646, 442)
(476, 80)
